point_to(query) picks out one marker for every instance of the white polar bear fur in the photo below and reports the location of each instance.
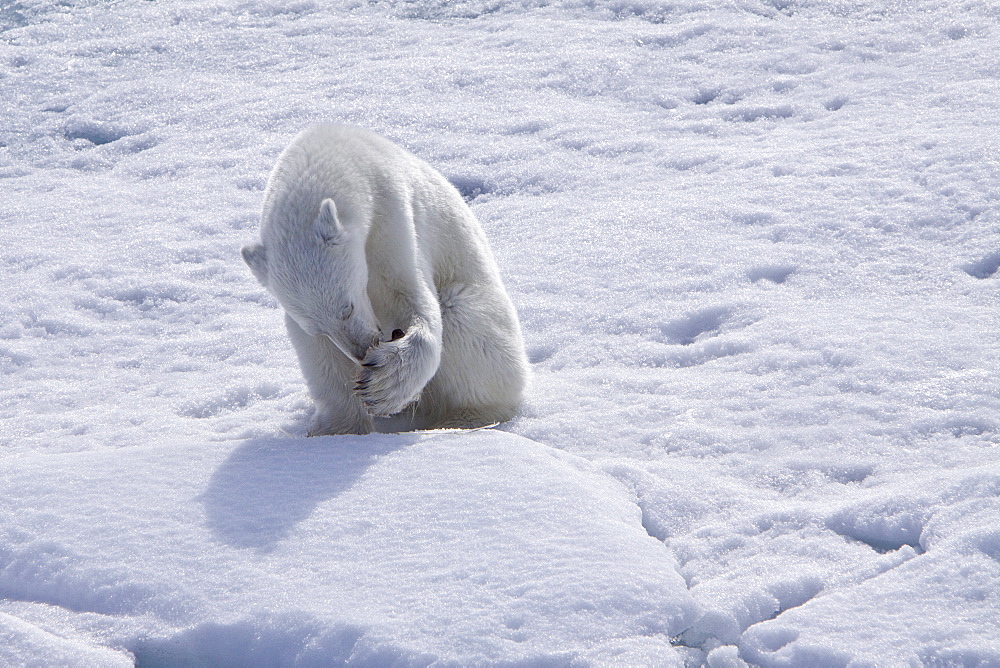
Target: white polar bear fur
(361, 239)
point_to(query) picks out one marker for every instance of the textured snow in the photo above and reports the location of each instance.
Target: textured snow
(395, 548)
(754, 246)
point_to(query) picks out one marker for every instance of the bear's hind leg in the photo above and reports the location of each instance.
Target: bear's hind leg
(329, 375)
(483, 369)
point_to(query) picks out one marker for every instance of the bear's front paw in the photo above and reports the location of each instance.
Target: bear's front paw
(382, 383)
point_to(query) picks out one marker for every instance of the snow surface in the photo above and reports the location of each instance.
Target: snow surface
(755, 249)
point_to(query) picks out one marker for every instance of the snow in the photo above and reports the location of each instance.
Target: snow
(381, 549)
(754, 247)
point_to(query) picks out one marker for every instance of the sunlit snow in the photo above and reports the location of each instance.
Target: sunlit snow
(754, 245)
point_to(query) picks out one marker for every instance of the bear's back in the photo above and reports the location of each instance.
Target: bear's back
(346, 164)
(359, 170)
(395, 196)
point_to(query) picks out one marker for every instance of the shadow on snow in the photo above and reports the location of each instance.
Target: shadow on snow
(267, 486)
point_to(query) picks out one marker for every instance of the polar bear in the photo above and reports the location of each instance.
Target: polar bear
(393, 301)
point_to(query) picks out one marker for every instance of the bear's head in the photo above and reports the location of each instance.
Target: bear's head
(319, 275)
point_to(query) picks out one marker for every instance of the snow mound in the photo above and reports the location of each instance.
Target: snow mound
(456, 547)
(23, 644)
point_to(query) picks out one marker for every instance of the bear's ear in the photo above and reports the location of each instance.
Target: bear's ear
(256, 259)
(327, 224)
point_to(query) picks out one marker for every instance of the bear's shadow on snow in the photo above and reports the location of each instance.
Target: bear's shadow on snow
(267, 486)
